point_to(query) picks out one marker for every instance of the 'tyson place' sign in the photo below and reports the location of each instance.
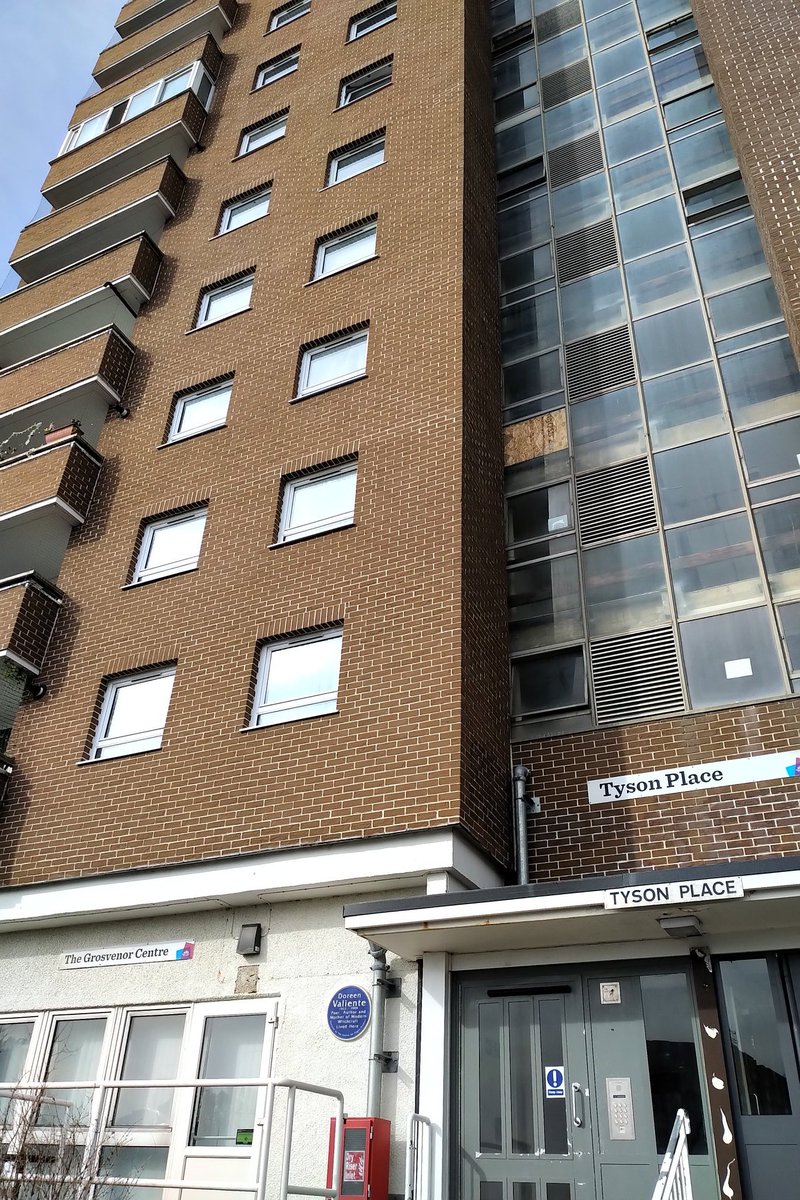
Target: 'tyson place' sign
(692, 779)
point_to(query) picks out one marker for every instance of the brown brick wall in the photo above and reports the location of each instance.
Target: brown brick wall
(752, 52)
(571, 839)
(130, 45)
(107, 354)
(417, 741)
(68, 471)
(28, 613)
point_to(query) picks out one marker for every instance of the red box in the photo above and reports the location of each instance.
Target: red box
(365, 1159)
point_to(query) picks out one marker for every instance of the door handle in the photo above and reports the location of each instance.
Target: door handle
(577, 1103)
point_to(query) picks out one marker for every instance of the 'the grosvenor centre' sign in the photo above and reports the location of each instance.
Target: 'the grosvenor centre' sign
(128, 956)
(692, 779)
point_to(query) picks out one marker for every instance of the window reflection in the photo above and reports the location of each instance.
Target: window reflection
(753, 1023)
(672, 1058)
(625, 586)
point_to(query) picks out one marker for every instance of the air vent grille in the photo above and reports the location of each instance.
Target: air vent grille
(589, 249)
(636, 678)
(599, 363)
(564, 16)
(566, 84)
(570, 162)
(615, 502)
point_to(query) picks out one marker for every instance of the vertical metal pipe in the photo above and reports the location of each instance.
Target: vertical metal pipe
(379, 971)
(521, 777)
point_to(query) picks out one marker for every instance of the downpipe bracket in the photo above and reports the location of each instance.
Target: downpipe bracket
(389, 1060)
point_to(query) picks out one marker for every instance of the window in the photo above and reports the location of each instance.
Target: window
(353, 160)
(548, 682)
(365, 82)
(779, 533)
(333, 362)
(345, 250)
(317, 502)
(298, 677)
(372, 18)
(698, 480)
(245, 209)
(197, 411)
(262, 134)
(193, 78)
(288, 13)
(625, 587)
(276, 68)
(170, 546)
(731, 659)
(152, 1052)
(224, 301)
(133, 713)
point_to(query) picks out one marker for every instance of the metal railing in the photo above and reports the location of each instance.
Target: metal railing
(41, 1093)
(674, 1181)
(419, 1160)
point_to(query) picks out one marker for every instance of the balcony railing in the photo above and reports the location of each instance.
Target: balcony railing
(156, 41)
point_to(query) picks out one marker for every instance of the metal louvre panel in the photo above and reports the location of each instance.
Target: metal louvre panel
(636, 677)
(587, 250)
(599, 363)
(566, 84)
(615, 502)
(570, 162)
(565, 16)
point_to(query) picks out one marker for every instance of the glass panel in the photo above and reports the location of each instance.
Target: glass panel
(15, 1038)
(607, 429)
(637, 135)
(521, 1066)
(353, 162)
(730, 256)
(74, 1054)
(490, 1190)
(537, 470)
(684, 407)
(641, 179)
(570, 121)
(232, 1049)
(594, 303)
(660, 281)
(691, 108)
(490, 1103)
(226, 302)
(683, 71)
(625, 586)
(698, 480)
(707, 154)
(152, 1052)
(714, 566)
(559, 51)
(544, 548)
(314, 504)
(143, 101)
(559, 1191)
(672, 1058)
(548, 682)
(544, 603)
(731, 659)
(531, 377)
(330, 364)
(518, 143)
(523, 221)
(625, 97)
(132, 1162)
(762, 383)
(139, 706)
(606, 30)
(551, 1046)
(529, 266)
(302, 679)
(524, 1191)
(530, 325)
(754, 1033)
(91, 129)
(508, 13)
(173, 547)
(671, 339)
(659, 12)
(245, 211)
(537, 514)
(621, 60)
(790, 623)
(714, 196)
(756, 304)
(651, 227)
(779, 489)
(515, 88)
(270, 132)
(175, 84)
(343, 252)
(778, 528)
(204, 411)
(584, 202)
(772, 449)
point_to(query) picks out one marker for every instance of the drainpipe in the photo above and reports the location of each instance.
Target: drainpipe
(521, 777)
(376, 1053)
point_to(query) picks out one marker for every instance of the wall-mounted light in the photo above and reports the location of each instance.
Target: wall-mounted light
(249, 940)
(687, 926)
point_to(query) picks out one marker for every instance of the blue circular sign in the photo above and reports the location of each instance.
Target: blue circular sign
(349, 1011)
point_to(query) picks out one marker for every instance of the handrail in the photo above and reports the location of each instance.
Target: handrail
(674, 1180)
(41, 1089)
(418, 1156)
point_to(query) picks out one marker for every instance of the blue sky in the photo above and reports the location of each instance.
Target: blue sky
(49, 48)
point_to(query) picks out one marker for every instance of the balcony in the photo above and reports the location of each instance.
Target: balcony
(138, 14)
(78, 383)
(106, 290)
(141, 49)
(29, 608)
(170, 130)
(44, 495)
(142, 203)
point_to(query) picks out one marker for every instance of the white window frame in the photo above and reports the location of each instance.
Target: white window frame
(286, 14)
(341, 239)
(337, 157)
(198, 75)
(277, 68)
(144, 574)
(280, 712)
(287, 531)
(245, 140)
(379, 74)
(313, 352)
(101, 737)
(376, 16)
(211, 293)
(244, 202)
(175, 433)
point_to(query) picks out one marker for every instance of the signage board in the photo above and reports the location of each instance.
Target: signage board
(349, 1011)
(554, 1083)
(671, 780)
(687, 891)
(128, 956)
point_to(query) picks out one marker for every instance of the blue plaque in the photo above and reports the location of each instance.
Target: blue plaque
(349, 1011)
